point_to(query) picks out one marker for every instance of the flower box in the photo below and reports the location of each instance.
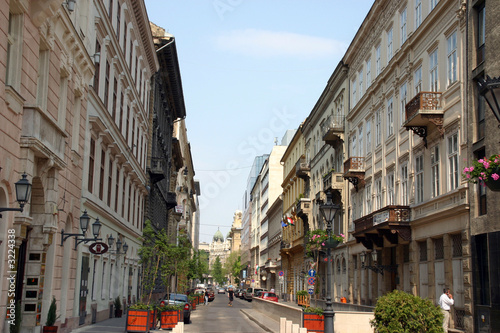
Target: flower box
(139, 320)
(169, 318)
(313, 322)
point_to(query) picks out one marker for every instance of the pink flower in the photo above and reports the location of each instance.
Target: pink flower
(466, 169)
(342, 235)
(471, 169)
(496, 160)
(495, 176)
(468, 176)
(486, 164)
(480, 161)
(323, 244)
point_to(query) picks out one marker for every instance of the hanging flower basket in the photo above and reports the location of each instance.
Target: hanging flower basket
(485, 171)
(319, 239)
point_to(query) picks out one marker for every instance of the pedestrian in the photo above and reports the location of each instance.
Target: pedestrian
(206, 296)
(272, 290)
(230, 294)
(445, 301)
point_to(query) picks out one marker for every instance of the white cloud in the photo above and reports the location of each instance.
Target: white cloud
(264, 43)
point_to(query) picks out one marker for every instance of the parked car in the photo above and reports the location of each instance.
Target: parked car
(179, 299)
(211, 295)
(268, 296)
(258, 293)
(221, 291)
(239, 293)
(250, 293)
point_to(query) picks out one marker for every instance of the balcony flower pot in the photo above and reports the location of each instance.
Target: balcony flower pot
(313, 320)
(485, 171)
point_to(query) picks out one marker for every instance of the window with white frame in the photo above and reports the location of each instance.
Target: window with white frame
(390, 188)
(353, 99)
(433, 70)
(360, 136)
(452, 58)
(378, 194)
(418, 13)
(354, 151)
(378, 65)
(403, 93)
(435, 171)
(368, 198)
(390, 117)
(418, 80)
(360, 78)
(434, 3)
(378, 128)
(453, 161)
(13, 70)
(419, 178)
(402, 23)
(368, 73)
(389, 45)
(404, 184)
(368, 136)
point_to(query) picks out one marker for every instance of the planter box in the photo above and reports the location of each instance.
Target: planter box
(140, 320)
(313, 322)
(304, 300)
(169, 318)
(49, 329)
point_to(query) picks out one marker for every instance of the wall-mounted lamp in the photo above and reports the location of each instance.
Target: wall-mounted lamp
(111, 242)
(23, 191)
(84, 225)
(490, 90)
(97, 57)
(70, 4)
(375, 267)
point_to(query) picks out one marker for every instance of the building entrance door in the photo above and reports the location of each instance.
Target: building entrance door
(84, 283)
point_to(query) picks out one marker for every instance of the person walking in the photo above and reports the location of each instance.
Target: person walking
(230, 294)
(206, 296)
(445, 302)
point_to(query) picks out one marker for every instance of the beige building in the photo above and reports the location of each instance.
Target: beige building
(406, 138)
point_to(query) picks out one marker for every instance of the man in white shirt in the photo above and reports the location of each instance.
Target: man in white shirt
(445, 301)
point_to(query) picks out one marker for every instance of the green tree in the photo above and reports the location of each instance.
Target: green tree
(217, 273)
(198, 265)
(232, 266)
(398, 311)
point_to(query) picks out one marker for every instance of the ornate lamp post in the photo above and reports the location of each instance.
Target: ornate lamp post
(23, 191)
(328, 211)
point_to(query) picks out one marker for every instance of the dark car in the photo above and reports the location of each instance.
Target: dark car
(179, 299)
(239, 293)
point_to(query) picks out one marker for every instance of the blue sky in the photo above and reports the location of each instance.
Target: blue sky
(251, 69)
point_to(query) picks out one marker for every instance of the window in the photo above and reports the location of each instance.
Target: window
(403, 93)
(418, 13)
(481, 107)
(433, 71)
(354, 151)
(368, 73)
(97, 67)
(481, 33)
(435, 171)
(117, 188)
(91, 165)
(43, 77)
(422, 247)
(353, 92)
(360, 75)
(111, 282)
(115, 94)
(453, 161)
(368, 199)
(368, 136)
(389, 45)
(14, 50)
(378, 129)
(434, 3)
(118, 20)
(101, 174)
(378, 194)
(418, 80)
(378, 65)
(106, 84)
(419, 178)
(402, 22)
(103, 287)
(110, 12)
(360, 135)
(404, 185)
(438, 249)
(120, 121)
(452, 58)
(390, 189)
(110, 181)
(390, 118)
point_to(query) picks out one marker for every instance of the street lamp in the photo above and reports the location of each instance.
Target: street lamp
(328, 211)
(490, 90)
(23, 190)
(119, 243)
(84, 225)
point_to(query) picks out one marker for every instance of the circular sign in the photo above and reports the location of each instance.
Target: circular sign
(98, 248)
(280, 273)
(310, 290)
(312, 273)
(311, 280)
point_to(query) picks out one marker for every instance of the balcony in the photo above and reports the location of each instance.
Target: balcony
(354, 171)
(171, 200)
(333, 130)
(304, 208)
(157, 169)
(302, 168)
(333, 180)
(423, 113)
(389, 222)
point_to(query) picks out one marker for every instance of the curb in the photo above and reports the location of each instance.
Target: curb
(257, 321)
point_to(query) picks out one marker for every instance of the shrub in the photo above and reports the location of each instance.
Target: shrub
(318, 311)
(51, 315)
(118, 303)
(301, 293)
(398, 311)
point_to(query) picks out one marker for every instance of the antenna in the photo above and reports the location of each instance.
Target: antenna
(275, 140)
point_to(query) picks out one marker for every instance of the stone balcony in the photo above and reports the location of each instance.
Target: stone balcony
(333, 130)
(354, 171)
(302, 168)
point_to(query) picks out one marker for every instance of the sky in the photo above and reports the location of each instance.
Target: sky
(250, 70)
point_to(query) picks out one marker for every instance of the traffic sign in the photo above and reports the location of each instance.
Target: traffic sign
(310, 290)
(280, 273)
(311, 280)
(312, 273)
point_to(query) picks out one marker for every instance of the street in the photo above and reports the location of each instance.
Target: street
(219, 317)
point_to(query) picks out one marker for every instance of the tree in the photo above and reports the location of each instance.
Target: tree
(233, 267)
(198, 265)
(398, 311)
(217, 271)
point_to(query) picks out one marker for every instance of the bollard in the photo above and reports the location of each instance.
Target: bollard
(303, 330)
(295, 328)
(288, 326)
(282, 325)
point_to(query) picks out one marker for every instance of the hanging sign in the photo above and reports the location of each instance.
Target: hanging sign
(98, 248)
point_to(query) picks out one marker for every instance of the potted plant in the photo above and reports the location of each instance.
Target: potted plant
(51, 317)
(302, 298)
(485, 171)
(319, 239)
(313, 319)
(118, 307)
(140, 318)
(169, 315)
